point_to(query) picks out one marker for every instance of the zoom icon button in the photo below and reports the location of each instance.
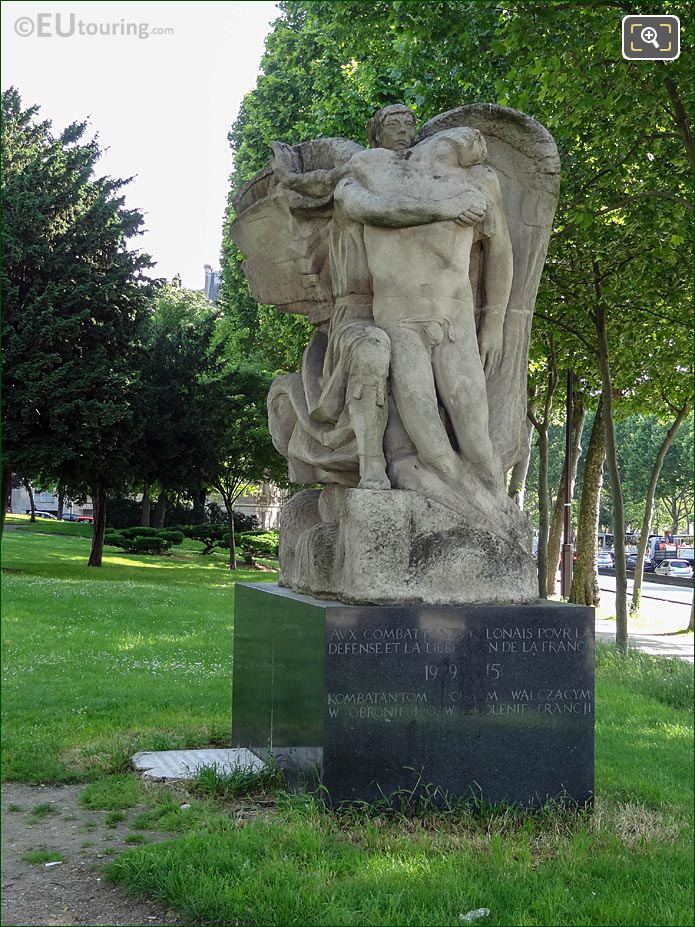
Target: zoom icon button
(651, 38)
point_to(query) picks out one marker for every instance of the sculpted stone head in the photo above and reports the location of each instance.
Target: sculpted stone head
(392, 127)
(474, 149)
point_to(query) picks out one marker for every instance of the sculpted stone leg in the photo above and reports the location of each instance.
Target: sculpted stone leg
(412, 384)
(368, 408)
(461, 384)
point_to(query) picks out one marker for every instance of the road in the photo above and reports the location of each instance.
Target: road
(660, 603)
(665, 613)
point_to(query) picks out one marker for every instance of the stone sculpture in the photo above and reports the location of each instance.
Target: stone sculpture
(418, 262)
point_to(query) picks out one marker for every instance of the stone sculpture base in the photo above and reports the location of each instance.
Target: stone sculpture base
(489, 702)
(362, 546)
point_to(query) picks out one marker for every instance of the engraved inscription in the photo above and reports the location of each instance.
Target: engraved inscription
(449, 664)
(388, 706)
(389, 642)
(556, 640)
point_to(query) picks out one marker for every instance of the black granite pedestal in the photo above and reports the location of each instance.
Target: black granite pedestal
(494, 703)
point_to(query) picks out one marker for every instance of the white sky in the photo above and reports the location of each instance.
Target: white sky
(161, 105)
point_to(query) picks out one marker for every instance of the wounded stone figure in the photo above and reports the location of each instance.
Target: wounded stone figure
(419, 268)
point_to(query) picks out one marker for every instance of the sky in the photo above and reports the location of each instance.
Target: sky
(161, 105)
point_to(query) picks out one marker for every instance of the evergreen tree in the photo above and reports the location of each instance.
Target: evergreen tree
(74, 300)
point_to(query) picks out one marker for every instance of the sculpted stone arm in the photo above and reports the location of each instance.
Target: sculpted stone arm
(497, 278)
(389, 211)
(312, 183)
(318, 183)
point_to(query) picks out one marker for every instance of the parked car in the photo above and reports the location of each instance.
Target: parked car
(675, 568)
(85, 518)
(70, 516)
(49, 515)
(605, 560)
(631, 563)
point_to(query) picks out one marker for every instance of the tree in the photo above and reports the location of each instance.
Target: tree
(675, 492)
(74, 299)
(625, 141)
(584, 589)
(178, 354)
(239, 451)
(645, 447)
(542, 425)
(557, 519)
(610, 232)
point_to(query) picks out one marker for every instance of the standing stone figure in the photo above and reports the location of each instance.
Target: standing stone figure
(418, 263)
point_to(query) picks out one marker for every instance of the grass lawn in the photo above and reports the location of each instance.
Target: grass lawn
(137, 655)
(100, 663)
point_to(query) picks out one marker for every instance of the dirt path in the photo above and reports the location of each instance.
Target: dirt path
(72, 893)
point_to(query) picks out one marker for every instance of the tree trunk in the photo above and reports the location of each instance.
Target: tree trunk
(556, 523)
(675, 512)
(680, 116)
(543, 490)
(61, 502)
(585, 589)
(27, 486)
(517, 479)
(160, 510)
(6, 492)
(199, 507)
(146, 507)
(543, 507)
(614, 473)
(232, 538)
(649, 506)
(99, 499)
(691, 623)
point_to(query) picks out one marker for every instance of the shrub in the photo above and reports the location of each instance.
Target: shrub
(148, 545)
(259, 544)
(210, 536)
(174, 537)
(183, 529)
(216, 515)
(114, 538)
(244, 522)
(141, 532)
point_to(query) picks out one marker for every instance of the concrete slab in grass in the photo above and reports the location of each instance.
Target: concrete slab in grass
(184, 764)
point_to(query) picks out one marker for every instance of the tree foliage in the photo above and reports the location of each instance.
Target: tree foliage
(178, 358)
(239, 452)
(615, 297)
(74, 300)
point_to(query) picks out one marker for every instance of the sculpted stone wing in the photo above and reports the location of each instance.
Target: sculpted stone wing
(283, 231)
(524, 155)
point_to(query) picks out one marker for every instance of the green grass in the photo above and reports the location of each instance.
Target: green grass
(48, 526)
(39, 812)
(303, 866)
(210, 782)
(101, 663)
(135, 838)
(112, 793)
(113, 818)
(627, 863)
(41, 857)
